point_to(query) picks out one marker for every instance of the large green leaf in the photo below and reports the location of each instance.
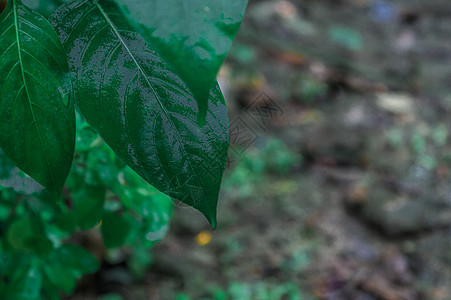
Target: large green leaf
(37, 128)
(141, 107)
(194, 36)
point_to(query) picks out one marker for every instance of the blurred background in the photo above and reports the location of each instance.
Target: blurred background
(338, 180)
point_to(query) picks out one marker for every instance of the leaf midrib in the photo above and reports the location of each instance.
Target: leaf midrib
(121, 40)
(19, 53)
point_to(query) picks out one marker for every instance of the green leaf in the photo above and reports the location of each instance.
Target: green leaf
(37, 128)
(67, 264)
(194, 36)
(152, 208)
(115, 229)
(88, 206)
(27, 234)
(26, 284)
(6, 165)
(141, 107)
(79, 260)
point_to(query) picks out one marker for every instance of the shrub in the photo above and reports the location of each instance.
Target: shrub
(109, 108)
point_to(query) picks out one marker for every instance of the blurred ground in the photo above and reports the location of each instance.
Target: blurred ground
(338, 185)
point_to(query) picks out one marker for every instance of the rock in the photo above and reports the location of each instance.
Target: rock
(396, 214)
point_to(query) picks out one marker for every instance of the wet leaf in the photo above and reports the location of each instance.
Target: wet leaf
(37, 128)
(141, 107)
(194, 36)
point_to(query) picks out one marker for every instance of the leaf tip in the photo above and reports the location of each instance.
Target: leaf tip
(212, 220)
(55, 194)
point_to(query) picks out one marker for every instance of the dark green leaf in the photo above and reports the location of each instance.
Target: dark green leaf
(26, 284)
(67, 264)
(141, 107)
(77, 259)
(152, 207)
(37, 128)
(88, 206)
(60, 276)
(194, 36)
(6, 165)
(20, 233)
(27, 234)
(115, 229)
(66, 221)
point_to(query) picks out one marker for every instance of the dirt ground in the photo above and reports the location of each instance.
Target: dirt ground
(338, 184)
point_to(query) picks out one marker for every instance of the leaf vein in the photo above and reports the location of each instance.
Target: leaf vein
(42, 46)
(116, 32)
(41, 30)
(19, 48)
(6, 30)
(58, 83)
(7, 49)
(9, 75)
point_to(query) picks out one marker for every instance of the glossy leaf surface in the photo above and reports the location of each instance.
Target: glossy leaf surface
(194, 36)
(37, 128)
(141, 107)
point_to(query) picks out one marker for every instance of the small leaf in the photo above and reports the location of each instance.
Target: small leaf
(27, 234)
(77, 259)
(115, 229)
(37, 128)
(88, 202)
(141, 107)
(152, 207)
(67, 264)
(194, 36)
(26, 284)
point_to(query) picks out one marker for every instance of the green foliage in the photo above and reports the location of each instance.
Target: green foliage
(346, 37)
(273, 158)
(38, 123)
(308, 90)
(153, 99)
(154, 129)
(196, 37)
(257, 291)
(426, 146)
(102, 193)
